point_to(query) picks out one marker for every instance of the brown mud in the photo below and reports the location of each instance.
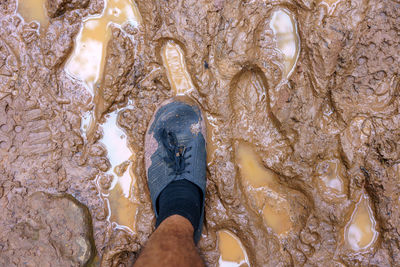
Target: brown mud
(302, 105)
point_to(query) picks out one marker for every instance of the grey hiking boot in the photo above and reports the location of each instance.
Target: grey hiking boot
(175, 149)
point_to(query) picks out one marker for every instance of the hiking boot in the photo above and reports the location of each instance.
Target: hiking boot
(175, 150)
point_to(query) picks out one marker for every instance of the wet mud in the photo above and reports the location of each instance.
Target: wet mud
(302, 105)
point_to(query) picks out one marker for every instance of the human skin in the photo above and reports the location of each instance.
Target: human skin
(171, 244)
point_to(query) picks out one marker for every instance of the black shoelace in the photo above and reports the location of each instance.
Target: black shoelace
(175, 154)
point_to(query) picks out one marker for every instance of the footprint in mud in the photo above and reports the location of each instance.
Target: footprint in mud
(266, 195)
(252, 119)
(257, 132)
(175, 65)
(283, 209)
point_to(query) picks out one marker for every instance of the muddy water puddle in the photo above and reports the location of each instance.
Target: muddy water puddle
(284, 26)
(33, 10)
(120, 194)
(261, 185)
(232, 252)
(87, 60)
(361, 233)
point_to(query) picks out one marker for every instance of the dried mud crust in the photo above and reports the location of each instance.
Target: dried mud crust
(341, 102)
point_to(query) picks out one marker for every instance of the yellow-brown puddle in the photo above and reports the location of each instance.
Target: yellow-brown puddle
(174, 62)
(87, 61)
(331, 179)
(232, 252)
(121, 193)
(33, 10)
(264, 189)
(284, 27)
(360, 233)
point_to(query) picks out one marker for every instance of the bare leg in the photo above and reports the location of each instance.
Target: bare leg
(171, 245)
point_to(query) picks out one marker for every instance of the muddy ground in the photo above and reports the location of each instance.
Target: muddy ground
(340, 103)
